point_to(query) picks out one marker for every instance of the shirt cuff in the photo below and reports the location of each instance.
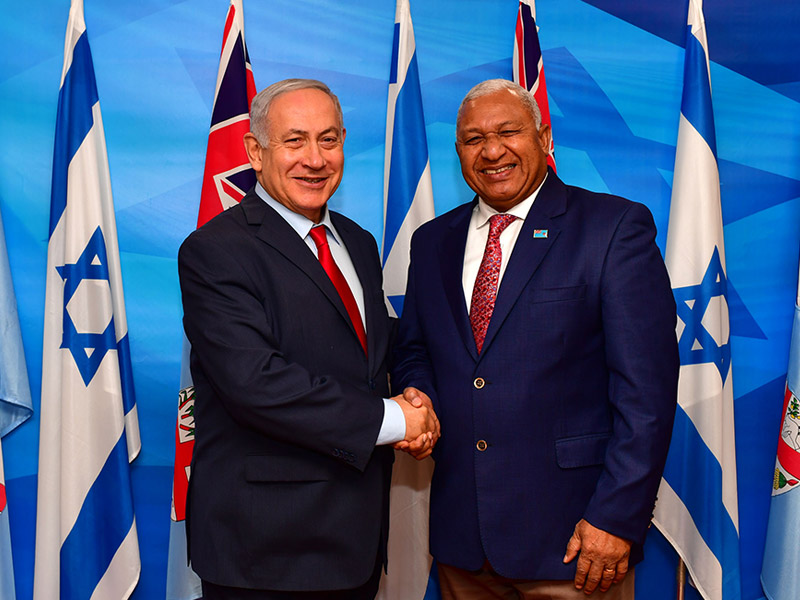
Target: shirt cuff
(393, 428)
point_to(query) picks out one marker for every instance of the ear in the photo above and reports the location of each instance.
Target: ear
(545, 138)
(344, 134)
(253, 149)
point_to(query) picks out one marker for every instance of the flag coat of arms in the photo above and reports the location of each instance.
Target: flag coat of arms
(780, 574)
(697, 509)
(226, 179)
(86, 542)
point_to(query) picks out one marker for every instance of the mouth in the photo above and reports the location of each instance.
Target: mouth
(498, 170)
(312, 180)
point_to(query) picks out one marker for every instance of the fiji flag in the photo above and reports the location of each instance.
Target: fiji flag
(15, 403)
(86, 543)
(226, 179)
(408, 203)
(528, 63)
(697, 508)
(780, 574)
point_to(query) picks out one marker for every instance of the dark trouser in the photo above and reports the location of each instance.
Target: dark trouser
(367, 591)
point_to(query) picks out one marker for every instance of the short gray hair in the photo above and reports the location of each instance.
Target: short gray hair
(490, 86)
(259, 108)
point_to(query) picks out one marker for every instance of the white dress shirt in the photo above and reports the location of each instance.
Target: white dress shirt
(393, 428)
(478, 234)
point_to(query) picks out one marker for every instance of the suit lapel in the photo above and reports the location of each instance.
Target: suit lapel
(454, 242)
(275, 231)
(529, 251)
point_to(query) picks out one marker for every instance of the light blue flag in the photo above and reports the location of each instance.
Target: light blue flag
(86, 542)
(408, 203)
(697, 508)
(780, 574)
(15, 403)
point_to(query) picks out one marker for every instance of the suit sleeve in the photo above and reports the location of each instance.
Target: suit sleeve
(638, 314)
(411, 365)
(235, 349)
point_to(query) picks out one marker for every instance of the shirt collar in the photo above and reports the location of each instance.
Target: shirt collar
(521, 210)
(302, 225)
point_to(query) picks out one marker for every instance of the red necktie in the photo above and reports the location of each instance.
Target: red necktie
(485, 290)
(320, 237)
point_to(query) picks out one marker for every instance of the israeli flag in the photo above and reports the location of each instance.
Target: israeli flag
(408, 203)
(407, 189)
(697, 509)
(86, 543)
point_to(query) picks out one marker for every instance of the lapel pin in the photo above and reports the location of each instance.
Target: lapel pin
(539, 233)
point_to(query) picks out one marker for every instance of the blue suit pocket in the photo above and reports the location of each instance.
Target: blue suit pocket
(271, 468)
(582, 451)
(559, 294)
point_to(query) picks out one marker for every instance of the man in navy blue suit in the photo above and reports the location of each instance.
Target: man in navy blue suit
(540, 321)
(284, 308)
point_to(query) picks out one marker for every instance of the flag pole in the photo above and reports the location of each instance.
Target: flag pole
(681, 576)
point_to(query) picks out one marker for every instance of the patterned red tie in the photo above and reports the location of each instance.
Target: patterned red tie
(320, 237)
(485, 290)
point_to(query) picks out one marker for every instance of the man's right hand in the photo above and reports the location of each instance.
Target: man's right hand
(422, 425)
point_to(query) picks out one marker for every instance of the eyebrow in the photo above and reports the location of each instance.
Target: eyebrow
(304, 132)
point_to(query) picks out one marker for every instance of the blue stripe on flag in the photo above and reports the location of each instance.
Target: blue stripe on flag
(701, 492)
(696, 102)
(105, 519)
(395, 53)
(74, 120)
(409, 155)
(126, 374)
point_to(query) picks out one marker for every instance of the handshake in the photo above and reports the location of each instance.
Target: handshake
(422, 425)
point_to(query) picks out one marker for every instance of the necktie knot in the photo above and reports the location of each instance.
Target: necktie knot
(320, 236)
(498, 224)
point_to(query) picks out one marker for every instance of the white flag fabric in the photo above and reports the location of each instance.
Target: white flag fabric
(86, 542)
(697, 509)
(15, 403)
(408, 203)
(780, 574)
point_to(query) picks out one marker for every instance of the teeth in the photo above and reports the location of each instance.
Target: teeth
(496, 171)
(312, 179)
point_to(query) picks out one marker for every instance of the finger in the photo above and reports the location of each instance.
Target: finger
(412, 396)
(593, 577)
(573, 546)
(424, 455)
(608, 575)
(622, 570)
(581, 572)
(401, 445)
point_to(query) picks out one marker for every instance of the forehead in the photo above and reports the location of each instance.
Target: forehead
(307, 110)
(494, 109)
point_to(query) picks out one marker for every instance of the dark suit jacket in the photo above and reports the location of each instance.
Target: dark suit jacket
(287, 490)
(574, 392)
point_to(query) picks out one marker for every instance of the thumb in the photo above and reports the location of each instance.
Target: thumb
(411, 395)
(573, 547)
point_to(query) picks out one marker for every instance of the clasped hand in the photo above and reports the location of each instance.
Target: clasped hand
(422, 424)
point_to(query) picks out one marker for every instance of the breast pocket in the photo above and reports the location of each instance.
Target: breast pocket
(557, 294)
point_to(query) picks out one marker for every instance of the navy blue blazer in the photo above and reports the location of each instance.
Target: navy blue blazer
(287, 489)
(573, 394)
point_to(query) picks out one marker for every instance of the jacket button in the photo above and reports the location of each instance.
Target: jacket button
(479, 383)
(481, 445)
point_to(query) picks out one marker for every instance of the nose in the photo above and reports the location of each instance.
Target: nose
(493, 147)
(312, 157)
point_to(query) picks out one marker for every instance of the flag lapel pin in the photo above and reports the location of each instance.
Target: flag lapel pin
(539, 234)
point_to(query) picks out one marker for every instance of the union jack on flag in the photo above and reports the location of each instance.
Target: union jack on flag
(528, 64)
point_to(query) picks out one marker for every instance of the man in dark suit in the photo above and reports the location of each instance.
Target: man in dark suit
(540, 320)
(284, 308)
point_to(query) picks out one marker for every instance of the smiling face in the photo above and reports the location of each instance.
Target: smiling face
(301, 163)
(503, 157)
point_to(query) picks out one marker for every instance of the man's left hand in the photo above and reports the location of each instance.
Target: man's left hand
(603, 557)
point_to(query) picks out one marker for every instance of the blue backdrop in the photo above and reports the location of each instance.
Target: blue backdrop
(614, 75)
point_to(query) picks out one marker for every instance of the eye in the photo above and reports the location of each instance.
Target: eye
(471, 141)
(509, 132)
(329, 141)
(294, 142)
